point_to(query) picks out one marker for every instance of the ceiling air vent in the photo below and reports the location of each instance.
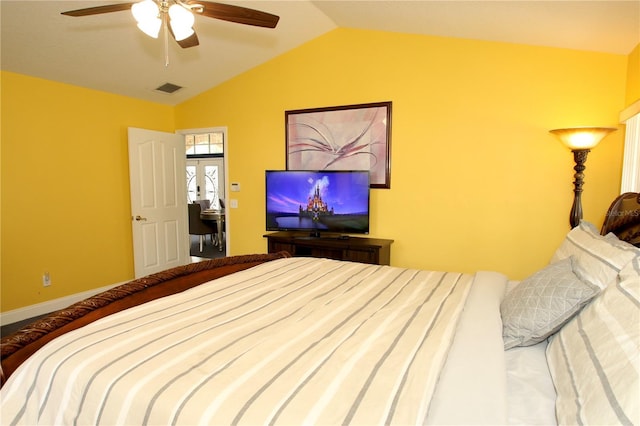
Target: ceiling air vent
(168, 88)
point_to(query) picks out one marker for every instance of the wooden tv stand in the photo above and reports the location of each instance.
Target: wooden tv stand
(356, 249)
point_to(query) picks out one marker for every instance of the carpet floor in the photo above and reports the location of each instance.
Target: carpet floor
(208, 250)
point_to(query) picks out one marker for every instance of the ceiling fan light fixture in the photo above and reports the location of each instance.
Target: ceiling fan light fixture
(180, 33)
(146, 14)
(177, 17)
(151, 27)
(145, 10)
(181, 15)
(182, 21)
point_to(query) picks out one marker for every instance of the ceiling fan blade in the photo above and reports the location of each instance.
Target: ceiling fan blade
(238, 14)
(99, 9)
(190, 41)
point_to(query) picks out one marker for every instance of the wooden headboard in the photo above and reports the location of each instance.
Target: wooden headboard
(623, 218)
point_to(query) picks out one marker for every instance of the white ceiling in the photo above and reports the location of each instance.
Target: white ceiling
(107, 52)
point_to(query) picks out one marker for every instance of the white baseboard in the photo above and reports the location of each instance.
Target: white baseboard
(38, 309)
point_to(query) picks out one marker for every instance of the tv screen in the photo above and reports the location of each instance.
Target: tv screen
(332, 201)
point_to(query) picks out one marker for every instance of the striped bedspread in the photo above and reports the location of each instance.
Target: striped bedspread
(292, 341)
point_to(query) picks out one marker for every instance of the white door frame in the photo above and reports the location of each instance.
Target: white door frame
(222, 129)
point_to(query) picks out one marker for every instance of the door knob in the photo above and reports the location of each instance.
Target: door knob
(139, 218)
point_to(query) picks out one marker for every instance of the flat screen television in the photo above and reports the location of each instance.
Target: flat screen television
(329, 201)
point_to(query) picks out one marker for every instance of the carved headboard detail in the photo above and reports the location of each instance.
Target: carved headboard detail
(623, 218)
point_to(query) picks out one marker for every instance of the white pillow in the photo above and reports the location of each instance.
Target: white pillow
(542, 303)
(595, 359)
(600, 258)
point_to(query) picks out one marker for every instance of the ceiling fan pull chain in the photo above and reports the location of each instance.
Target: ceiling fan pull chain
(166, 40)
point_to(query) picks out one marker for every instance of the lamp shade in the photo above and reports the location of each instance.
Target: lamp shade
(151, 27)
(582, 137)
(146, 14)
(181, 15)
(145, 10)
(182, 21)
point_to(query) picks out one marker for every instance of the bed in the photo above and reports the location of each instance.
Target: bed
(274, 339)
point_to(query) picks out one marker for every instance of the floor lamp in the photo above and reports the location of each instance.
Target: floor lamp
(580, 140)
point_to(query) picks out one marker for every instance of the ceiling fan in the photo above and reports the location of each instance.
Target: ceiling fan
(177, 16)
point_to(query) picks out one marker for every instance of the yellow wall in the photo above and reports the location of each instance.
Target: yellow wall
(65, 187)
(633, 76)
(1, 75)
(477, 182)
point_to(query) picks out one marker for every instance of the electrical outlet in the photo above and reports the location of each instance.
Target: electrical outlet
(46, 279)
(233, 203)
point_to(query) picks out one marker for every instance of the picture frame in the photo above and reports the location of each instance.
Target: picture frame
(349, 137)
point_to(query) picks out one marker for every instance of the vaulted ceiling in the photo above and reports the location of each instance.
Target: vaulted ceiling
(107, 52)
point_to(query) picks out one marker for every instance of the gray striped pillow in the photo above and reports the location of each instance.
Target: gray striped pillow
(599, 258)
(595, 359)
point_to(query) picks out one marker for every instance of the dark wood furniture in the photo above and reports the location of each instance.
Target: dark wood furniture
(356, 249)
(217, 216)
(623, 218)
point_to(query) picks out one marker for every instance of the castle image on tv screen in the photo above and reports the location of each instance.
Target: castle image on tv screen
(330, 201)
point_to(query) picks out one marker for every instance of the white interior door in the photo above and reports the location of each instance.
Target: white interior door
(158, 200)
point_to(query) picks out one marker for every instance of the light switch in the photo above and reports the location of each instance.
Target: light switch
(235, 187)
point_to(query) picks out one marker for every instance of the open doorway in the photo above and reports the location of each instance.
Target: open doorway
(206, 177)
(205, 181)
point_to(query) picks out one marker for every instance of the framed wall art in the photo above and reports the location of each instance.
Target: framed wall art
(350, 137)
